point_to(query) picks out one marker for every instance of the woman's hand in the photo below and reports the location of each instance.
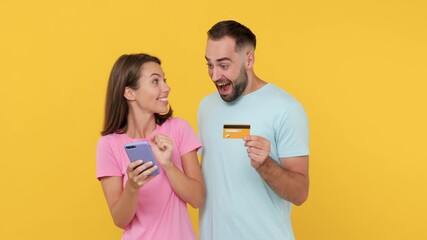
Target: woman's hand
(138, 172)
(162, 147)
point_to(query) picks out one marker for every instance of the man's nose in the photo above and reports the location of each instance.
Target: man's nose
(216, 74)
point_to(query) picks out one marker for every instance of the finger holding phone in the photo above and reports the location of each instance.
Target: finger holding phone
(139, 173)
(143, 166)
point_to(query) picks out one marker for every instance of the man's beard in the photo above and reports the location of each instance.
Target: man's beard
(239, 86)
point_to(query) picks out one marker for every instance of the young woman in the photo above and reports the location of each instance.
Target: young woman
(137, 109)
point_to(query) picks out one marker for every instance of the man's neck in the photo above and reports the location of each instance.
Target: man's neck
(254, 83)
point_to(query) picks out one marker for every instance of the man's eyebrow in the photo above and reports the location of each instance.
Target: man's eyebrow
(219, 59)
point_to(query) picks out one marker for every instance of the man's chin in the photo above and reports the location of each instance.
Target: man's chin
(227, 98)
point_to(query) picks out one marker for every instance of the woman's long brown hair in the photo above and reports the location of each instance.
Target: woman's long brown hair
(125, 73)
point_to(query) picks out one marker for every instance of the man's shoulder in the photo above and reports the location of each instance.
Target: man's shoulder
(278, 94)
(210, 99)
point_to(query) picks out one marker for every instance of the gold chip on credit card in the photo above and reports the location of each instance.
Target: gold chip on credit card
(236, 130)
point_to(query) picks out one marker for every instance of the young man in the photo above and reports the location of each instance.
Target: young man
(255, 145)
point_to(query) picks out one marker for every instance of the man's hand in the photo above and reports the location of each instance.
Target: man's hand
(258, 149)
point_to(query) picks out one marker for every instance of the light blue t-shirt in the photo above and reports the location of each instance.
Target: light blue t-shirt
(239, 204)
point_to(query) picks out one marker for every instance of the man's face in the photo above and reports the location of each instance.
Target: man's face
(226, 68)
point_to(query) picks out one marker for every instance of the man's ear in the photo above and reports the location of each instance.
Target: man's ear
(250, 59)
(129, 94)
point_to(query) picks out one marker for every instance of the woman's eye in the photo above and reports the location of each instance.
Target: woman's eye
(165, 80)
(155, 81)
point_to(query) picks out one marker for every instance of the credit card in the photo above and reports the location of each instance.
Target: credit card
(236, 130)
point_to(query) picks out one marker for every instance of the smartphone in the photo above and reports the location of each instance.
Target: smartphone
(142, 151)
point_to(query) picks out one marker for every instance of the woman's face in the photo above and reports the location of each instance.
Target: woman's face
(152, 94)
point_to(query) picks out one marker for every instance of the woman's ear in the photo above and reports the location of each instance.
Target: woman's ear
(129, 94)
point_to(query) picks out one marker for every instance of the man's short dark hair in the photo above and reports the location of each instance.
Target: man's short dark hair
(242, 34)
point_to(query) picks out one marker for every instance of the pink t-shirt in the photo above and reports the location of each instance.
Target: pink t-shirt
(161, 214)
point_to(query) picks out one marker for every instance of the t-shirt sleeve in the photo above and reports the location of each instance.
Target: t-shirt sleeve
(187, 138)
(106, 161)
(293, 133)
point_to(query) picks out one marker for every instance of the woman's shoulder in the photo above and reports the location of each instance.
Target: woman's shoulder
(109, 139)
(176, 121)
(176, 126)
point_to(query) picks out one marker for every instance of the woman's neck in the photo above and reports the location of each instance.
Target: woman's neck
(140, 126)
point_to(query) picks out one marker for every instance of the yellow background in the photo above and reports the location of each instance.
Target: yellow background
(358, 67)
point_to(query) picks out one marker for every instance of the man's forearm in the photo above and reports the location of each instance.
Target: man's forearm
(291, 186)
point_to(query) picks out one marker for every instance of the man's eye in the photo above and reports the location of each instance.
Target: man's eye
(224, 67)
(209, 65)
